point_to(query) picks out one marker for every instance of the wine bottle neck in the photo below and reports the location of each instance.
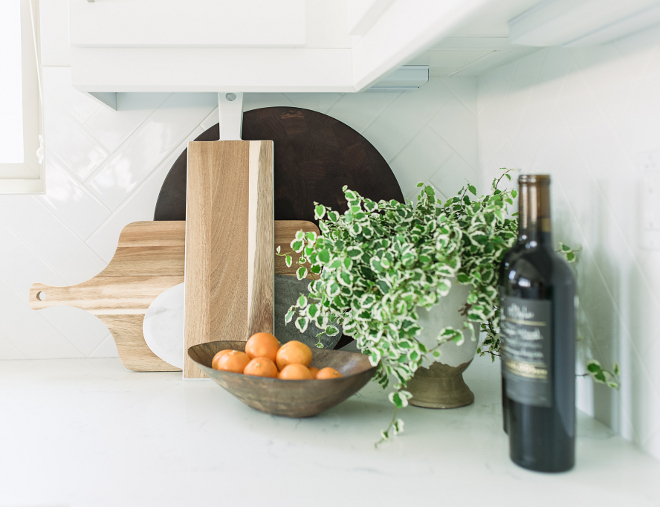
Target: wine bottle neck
(522, 211)
(535, 218)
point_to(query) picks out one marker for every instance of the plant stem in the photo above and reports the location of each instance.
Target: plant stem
(388, 428)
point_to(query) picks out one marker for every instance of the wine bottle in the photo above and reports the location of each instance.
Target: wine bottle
(504, 269)
(537, 324)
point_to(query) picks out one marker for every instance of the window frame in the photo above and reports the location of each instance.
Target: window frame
(33, 111)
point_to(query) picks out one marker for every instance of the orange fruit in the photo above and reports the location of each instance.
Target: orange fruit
(295, 371)
(313, 370)
(262, 345)
(261, 367)
(216, 358)
(293, 352)
(235, 361)
(327, 373)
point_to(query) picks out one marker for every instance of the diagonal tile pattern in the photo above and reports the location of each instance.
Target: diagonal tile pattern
(105, 169)
(585, 116)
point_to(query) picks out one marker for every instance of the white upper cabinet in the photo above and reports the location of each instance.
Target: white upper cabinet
(318, 45)
(186, 23)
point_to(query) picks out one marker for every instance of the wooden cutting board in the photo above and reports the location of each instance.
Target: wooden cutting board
(229, 243)
(149, 260)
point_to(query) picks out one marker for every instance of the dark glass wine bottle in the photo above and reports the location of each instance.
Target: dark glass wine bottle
(538, 343)
(504, 269)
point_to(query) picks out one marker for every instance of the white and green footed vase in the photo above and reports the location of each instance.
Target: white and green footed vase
(440, 384)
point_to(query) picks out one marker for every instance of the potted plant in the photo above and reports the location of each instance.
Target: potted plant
(379, 264)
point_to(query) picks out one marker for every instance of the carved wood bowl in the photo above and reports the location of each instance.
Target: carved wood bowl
(289, 398)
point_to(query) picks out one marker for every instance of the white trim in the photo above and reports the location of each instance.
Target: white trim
(18, 186)
(33, 135)
(574, 23)
(211, 70)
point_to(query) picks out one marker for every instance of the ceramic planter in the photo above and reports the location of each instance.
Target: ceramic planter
(440, 384)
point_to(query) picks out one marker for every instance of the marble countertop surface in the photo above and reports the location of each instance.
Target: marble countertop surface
(87, 432)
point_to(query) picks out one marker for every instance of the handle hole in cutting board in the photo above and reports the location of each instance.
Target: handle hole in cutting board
(41, 295)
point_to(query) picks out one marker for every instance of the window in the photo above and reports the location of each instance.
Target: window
(21, 110)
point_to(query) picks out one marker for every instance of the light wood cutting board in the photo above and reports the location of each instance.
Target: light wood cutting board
(149, 260)
(229, 243)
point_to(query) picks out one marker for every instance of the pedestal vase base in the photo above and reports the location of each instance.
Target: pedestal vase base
(440, 386)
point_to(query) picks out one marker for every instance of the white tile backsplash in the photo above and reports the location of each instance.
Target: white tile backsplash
(68, 139)
(105, 169)
(70, 200)
(111, 129)
(420, 159)
(149, 145)
(584, 116)
(405, 117)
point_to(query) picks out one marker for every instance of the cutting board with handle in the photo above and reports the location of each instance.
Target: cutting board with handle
(149, 260)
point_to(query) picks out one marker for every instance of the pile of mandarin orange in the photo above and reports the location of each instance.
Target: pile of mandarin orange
(264, 357)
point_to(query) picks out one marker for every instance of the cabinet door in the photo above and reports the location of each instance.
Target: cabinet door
(177, 23)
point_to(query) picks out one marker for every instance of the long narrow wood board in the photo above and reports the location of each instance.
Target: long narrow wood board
(149, 260)
(229, 243)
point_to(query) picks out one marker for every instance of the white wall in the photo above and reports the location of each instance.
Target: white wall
(104, 170)
(585, 116)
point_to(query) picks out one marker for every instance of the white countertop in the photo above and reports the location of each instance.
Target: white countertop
(87, 432)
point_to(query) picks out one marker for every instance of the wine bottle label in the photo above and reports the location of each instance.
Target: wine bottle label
(525, 331)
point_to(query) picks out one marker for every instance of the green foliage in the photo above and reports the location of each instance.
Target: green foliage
(602, 376)
(379, 261)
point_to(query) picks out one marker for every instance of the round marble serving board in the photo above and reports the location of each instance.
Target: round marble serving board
(287, 291)
(163, 322)
(163, 326)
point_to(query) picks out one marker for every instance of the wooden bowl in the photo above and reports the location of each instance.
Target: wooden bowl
(289, 398)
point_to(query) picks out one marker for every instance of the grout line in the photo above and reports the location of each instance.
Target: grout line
(35, 253)
(143, 183)
(325, 111)
(622, 322)
(417, 132)
(612, 215)
(104, 164)
(77, 181)
(579, 75)
(396, 96)
(476, 113)
(95, 142)
(475, 169)
(130, 133)
(160, 161)
(62, 105)
(600, 191)
(72, 232)
(46, 320)
(109, 335)
(531, 91)
(467, 65)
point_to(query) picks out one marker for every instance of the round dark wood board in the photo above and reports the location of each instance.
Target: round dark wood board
(315, 156)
